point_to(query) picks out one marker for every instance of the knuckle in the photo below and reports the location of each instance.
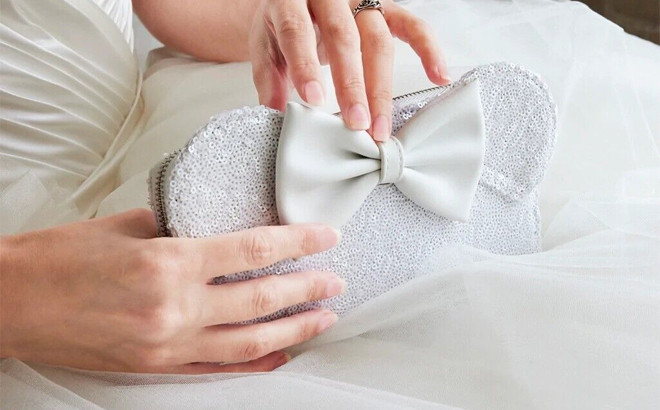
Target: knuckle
(305, 331)
(292, 25)
(160, 264)
(343, 36)
(161, 323)
(352, 85)
(382, 98)
(308, 242)
(258, 248)
(266, 299)
(419, 29)
(339, 29)
(315, 288)
(305, 68)
(259, 346)
(148, 261)
(419, 25)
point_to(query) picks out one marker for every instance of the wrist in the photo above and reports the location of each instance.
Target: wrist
(11, 255)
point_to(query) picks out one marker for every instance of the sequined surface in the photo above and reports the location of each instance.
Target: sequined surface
(223, 181)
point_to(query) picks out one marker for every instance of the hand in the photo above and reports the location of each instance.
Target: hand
(284, 48)
(107, 294)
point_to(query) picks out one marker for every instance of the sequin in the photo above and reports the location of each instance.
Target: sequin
(228, 186)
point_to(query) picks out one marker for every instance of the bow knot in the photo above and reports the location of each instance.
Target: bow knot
(391, 161)
(325, 171)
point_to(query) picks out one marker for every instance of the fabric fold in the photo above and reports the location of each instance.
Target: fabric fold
(65, 98)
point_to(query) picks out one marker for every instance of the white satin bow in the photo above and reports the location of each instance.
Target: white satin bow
(325, 171)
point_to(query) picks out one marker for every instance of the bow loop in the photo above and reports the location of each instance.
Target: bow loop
(391, 161)
(325, 171)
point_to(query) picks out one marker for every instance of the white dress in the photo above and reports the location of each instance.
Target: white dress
(576, 326)
(70, 94)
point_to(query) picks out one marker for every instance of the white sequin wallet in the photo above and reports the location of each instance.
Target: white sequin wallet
(471, 178)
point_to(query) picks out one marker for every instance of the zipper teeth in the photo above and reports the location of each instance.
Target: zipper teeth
(398, 97)
(159, 190)
(160, 194)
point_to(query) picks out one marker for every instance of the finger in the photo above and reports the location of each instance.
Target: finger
(267, 363)
(257, 248)
(419, 36)
(378, 59)
(268, 69)
(240, 301)
(341, 39)
(297, 41)
(242, 343)
(263, 364)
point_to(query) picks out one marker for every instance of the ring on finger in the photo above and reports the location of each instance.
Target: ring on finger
(368, 5)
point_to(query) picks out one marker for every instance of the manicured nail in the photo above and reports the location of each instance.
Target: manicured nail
(314, 94)
(442, 71)
(358, 117)
(283, 360)
(381, 128)
(328, 319)
(328, 237)
(335, 287)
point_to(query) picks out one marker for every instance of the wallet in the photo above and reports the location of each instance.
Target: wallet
(463, 167)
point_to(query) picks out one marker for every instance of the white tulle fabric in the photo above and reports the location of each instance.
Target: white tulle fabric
(576, 326)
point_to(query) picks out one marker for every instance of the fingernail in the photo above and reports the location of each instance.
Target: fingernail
(283, 360)
(381, 128)
(335, 287)
(328, 237)
(314, 94)
(358, 117)
(442, 71)
(328, 319)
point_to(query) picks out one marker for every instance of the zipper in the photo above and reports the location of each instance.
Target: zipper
(157, 176)
(157, 192)
(414, 93)
(428, 90)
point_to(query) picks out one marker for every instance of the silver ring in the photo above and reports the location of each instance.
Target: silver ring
(367, 5)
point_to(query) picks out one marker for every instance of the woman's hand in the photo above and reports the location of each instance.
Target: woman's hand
(288, 40)
(106, 294)
(285, 47)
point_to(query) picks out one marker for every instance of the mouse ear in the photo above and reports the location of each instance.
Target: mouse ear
(521, 124)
